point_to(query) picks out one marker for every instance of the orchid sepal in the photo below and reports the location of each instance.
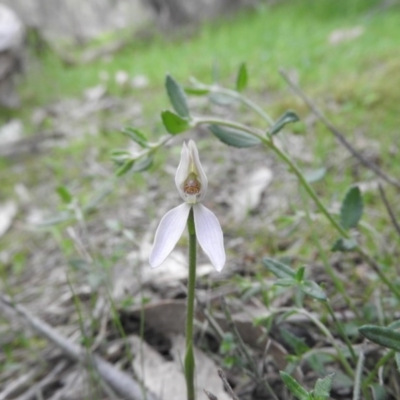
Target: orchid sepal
(168, 233)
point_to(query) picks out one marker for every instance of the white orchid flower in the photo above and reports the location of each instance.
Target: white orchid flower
(192, 183)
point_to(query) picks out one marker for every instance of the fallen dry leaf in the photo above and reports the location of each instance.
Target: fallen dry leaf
(165, 378)
(248, 195)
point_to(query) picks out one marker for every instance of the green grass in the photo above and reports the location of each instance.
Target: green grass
(291, 35)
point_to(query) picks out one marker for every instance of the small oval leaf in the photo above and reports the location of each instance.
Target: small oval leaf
(65, 194)
(278, 269)
(312, 289)
(285, 282)
(173, 123)
(177, 96)
(343, 244)
(234, 137)
(294, 387)
(242, 78)
(136, 135)
(385, 337)
(143, 164)
(323, 386)
(125, 167)
(352, 208)
(287, 118)
(196, 91)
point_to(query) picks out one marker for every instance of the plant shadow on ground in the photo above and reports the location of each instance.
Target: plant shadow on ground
(65, 273)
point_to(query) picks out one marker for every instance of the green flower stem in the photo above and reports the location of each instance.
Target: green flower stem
(341, 331)
(328, 268)
(189, 356)
(267, 141)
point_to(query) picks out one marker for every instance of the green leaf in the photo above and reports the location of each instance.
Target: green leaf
(234, 137)
(397, 358)
(136, 135)
(322, 387)
(351, 209)
(242, 77)
(286, 282)
(394, 324)
(343, 244)
(287, 118)
(296, 343)
(312, 289)
(196, 91)
(174, 123)
(300, 274)
(278, 269)
(295, 388)
(117, 153)
(143, 164)
(65, 194)
(125, 167)
(385, 337)
(379, 392)
(177, 96)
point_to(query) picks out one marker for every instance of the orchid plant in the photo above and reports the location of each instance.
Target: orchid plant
(204, 228)
(191, 182)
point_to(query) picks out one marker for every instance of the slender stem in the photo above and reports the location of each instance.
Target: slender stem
(189, 357)
(296, 170)
(341, 331)
(328, 268)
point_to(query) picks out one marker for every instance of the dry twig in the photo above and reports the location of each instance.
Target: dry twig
(338, 135)
(389, 209)
(118, 380)
(210, 395)
(227, 385)
(46, 381)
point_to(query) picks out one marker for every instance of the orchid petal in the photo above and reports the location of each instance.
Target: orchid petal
(194, 155)
(168, 233)
(182, 171)
(209, 235)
